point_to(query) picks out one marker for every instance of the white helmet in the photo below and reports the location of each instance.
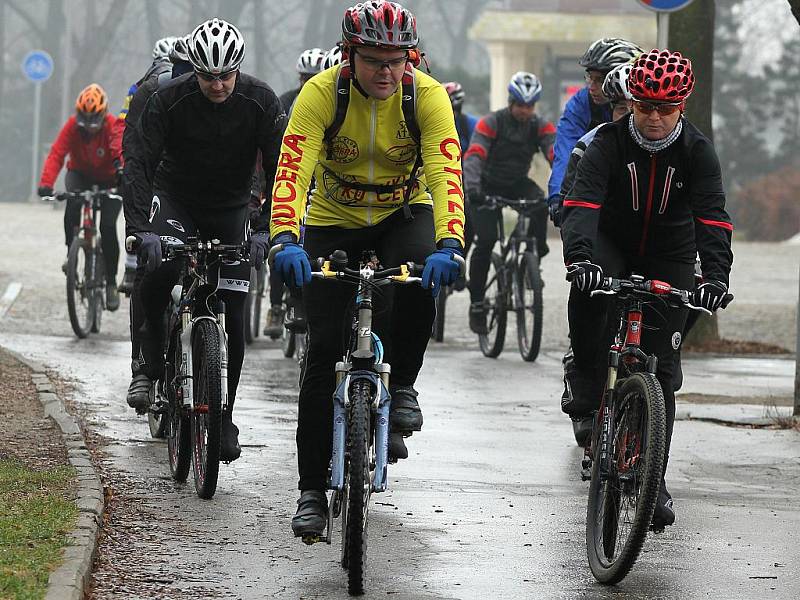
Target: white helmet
(216, 47)
(615, 85)
(162, 48)
(524, 88)
(310, 61)
(332, 58)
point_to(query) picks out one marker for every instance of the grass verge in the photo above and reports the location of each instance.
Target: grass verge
(36, 512)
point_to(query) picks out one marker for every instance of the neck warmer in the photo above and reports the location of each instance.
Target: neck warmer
(654, 146)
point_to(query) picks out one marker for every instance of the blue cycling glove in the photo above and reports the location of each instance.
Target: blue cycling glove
(292, 262)
(149, 250)
(441, 268)
(259, 246)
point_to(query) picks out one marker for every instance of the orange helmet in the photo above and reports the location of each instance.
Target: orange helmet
(91, 106)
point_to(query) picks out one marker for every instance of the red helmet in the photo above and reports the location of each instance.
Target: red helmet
(661, 76)
(380, 24)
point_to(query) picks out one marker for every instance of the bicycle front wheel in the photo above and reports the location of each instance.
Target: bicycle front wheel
(80, 295)
(528, 305)
(358, 487)
(98, 286)
(496, 295)
(289, 343)
(206, 416)
(625, 484)
(252, 306)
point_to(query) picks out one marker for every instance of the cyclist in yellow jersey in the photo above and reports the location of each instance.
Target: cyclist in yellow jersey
(367, 198)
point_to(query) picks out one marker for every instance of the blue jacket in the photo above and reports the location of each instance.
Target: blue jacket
(465, 125)
(580, 116)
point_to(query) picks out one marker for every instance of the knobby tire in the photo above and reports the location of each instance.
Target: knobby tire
(496, 296)
(206, 416)
(529, 306)
(80, 297)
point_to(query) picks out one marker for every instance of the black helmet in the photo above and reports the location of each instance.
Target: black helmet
(607, 53)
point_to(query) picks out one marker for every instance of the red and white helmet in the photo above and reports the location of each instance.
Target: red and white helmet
(216, 47)
(456, 93)
(661, 76)
(380, 24)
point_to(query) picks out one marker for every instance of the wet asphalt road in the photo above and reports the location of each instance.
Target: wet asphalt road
(490, 503)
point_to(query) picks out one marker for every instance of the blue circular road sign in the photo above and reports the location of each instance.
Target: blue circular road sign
(665, 5)
(37, 66)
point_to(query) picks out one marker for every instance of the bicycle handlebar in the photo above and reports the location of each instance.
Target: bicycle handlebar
(169, 251)
(518, 204)
(638, 285)
(110, 193)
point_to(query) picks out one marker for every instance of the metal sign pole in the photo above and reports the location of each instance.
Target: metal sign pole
(796, 411)
(37, 105)
(662, 20)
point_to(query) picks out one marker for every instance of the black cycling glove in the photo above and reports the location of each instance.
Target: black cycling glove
(585, 275)
(44, 191)
(710, 295)
(149, 250)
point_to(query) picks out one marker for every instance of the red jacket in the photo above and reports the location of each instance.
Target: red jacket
(94, 156)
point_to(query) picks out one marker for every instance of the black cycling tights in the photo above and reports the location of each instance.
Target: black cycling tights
(151, 293)
(402, 317)
(591, 324)
(109, 211)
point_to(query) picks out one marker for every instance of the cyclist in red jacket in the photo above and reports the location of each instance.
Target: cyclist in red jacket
(93, 144)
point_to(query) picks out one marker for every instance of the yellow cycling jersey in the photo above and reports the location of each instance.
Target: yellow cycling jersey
(373, 146)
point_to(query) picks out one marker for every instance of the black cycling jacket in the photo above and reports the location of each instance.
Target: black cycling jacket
(202, 154)
(669, 205)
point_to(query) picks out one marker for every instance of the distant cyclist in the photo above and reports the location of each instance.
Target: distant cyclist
(199, 136)
(497, 163)
(162, 67)
(309, 63)
(370, 195)
(92, 144)
(647, 198)
(588, 107)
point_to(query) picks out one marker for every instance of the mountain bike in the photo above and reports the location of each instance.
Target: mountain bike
(359, 457)
(85, 270)
(625, 457)
(294, 336)
(252, 305)
(514, 282)
(193, 393)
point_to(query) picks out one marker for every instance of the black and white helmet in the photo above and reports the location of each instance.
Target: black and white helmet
(162, 48)
(332, 58)
(180, 50)
(606, 53)
(310, 61)
(216, 47)
(615, 86)
(524, 88)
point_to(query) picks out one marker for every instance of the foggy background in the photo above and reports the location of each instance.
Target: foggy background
(756, 75)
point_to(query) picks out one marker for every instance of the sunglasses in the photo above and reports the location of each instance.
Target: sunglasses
(596, 79)
(663, 109)
(208, 77)
(374, 64)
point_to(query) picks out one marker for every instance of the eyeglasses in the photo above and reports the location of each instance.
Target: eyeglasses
(374, 64)
(666, 108)
(596, 79)
(208, 77)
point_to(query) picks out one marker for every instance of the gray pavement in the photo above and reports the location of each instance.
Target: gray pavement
(490, 503)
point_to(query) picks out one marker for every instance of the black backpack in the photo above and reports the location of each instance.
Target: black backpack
(409, 101)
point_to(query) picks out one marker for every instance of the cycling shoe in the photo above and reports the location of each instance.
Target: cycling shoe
(229, 448)
(582, 428)
(397, 447)
(311, 517)
(139, 393)
(664, 514)
(405, 412)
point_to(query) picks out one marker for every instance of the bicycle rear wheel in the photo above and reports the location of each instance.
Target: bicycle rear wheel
(80, 296)
(157, 420)
(437, 332)
(206, 416)
(624, 486)
(178, 441)
(252, 306)
(358, 487)
(495, 294)
(528, 305)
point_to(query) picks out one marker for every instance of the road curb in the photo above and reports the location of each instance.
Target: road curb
(70, 580)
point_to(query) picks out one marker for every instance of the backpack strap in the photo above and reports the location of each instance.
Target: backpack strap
(342, 102)
(409, 106)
